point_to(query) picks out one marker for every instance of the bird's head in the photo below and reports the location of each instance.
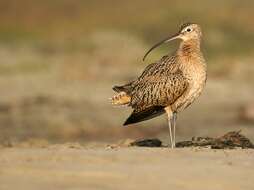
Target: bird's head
(187, 31)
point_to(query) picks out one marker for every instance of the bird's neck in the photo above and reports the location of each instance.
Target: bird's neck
(189, 48)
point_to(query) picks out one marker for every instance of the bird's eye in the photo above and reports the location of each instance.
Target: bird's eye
(188, 29)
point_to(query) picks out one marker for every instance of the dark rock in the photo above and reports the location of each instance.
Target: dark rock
(228, 141)
(147, 143)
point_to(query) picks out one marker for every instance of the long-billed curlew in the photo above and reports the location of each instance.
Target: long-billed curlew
(169, 85)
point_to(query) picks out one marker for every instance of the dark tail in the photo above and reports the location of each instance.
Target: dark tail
(144, 115)
(127, 88)
(119, 88)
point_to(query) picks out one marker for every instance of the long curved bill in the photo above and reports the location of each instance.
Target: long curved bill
(168, 39)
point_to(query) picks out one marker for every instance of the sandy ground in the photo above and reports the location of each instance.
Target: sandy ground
(62, 167)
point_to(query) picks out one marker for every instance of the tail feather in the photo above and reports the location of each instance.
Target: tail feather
(121, 99)
(144, 115)
(119, 88)
(127, 88)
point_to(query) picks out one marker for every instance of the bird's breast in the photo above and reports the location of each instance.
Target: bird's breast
(196, 76)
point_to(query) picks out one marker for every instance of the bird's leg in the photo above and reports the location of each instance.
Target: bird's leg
(170, 117)
(170, 132)
(174, 117)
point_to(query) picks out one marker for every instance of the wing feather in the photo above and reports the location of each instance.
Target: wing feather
(160, 84)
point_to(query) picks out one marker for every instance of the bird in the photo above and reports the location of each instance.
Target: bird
(168, 85)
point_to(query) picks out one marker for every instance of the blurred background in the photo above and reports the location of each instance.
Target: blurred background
(60, 59)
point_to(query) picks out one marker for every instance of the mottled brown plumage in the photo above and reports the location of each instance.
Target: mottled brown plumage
(170, 84)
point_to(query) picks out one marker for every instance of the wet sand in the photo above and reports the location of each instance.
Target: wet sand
(62, 167)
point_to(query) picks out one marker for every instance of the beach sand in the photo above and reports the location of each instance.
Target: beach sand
(76, 167)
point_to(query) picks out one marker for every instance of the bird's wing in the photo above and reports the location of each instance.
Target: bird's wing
(160, 84)
(158, 90)
(151, 96)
